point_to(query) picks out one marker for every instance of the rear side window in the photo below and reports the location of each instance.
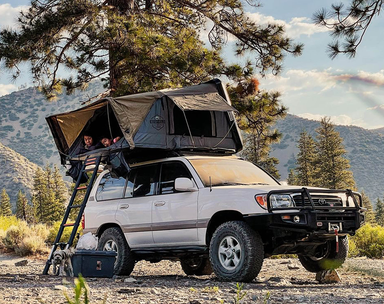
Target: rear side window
(169, 172)
(145, 180)
(110, 188)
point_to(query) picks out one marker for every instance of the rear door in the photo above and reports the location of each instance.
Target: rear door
(174, 214)
(134, 211)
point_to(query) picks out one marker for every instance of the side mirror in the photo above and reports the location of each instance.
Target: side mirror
(184, 184)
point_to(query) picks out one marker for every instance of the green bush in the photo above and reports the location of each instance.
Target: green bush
(24, 239)
(369, 241)
(66, 233)
(8, 221)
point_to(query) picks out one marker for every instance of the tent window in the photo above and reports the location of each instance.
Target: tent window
(200, 122)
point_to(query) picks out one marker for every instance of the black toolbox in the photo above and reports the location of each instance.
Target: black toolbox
(92, 263)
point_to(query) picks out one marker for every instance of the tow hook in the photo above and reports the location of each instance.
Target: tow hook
(336, 230)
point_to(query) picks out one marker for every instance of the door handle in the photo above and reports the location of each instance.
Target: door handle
(124, 206)
(159, 203)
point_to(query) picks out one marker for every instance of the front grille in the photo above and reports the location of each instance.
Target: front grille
(318, 201)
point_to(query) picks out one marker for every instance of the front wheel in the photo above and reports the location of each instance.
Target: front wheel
(196, 266)
(236, 252)
(113, 239)
(326, 256)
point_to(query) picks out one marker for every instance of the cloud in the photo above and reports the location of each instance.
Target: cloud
(8, 14)
(362, 77)
(301, 80)
(295, 28)
(361, 83)
(6, 89)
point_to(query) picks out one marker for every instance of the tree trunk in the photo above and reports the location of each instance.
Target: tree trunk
(121, 7)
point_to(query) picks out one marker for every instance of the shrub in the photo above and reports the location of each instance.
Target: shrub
(66, 233)
(32, 245)
(24, 239)
(8, 221)
(369, 241)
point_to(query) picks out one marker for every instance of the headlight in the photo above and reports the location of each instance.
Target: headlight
(281, 201)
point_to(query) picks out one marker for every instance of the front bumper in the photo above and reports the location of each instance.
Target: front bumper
(308, 217)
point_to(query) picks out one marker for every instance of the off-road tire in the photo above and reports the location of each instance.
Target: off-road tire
(196, 266)
(113, 239)
(236, 252)
(330, 260)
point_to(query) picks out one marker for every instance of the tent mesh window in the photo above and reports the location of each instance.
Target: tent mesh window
(199, 122)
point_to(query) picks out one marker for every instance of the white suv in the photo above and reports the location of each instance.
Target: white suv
(217, 214)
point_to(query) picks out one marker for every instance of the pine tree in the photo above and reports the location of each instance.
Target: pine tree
(379, 212)
(138, 45)
(258, 112)
(24, 210)
(58, 194)
(369, 214)
(348, 24)
(306, 173)
(332, 166)
(292, 178)
(5, 204)
(40, 195)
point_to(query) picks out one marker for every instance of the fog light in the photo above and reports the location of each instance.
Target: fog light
(296, 219)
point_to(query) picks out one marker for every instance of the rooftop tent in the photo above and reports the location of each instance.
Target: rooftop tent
(195, 118)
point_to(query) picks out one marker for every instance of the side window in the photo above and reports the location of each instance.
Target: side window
(110, 188)
(130, 184)
(169, 172)
(146, 180)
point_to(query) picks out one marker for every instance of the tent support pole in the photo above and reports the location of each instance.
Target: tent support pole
(189, 129)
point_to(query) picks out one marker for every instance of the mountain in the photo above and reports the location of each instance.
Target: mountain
(16, 173)
(23, 129)
(22, 121)
(365, 152)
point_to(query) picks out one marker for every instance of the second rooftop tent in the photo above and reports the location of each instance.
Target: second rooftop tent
(195, 118)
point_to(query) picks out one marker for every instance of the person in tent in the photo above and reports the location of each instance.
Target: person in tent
(89, 144)
(108, 141)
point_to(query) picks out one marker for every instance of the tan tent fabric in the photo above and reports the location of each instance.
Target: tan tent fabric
(192, 90)
(131, 110)
(206, 102)
(73, 122)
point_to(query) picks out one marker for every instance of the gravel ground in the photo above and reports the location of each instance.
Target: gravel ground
(282, 280)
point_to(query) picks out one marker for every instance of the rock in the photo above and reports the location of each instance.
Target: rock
(129, 290)
(129, 280)
(328, 276)
(293, 267)
(16, 278)
(22, 263)
(60, 287)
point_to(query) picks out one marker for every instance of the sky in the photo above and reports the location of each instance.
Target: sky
(349, 91)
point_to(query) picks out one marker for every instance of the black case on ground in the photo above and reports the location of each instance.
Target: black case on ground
(92, 263)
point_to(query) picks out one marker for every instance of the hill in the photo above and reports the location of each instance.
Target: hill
(364, 147)
(22, 121)
(23, 129)
(16, 173)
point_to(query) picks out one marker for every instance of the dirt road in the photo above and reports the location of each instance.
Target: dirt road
(280, 281)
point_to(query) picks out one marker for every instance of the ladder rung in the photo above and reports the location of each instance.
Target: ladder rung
(69, 225)
(82, 187)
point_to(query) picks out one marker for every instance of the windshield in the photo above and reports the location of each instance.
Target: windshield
(220, 172)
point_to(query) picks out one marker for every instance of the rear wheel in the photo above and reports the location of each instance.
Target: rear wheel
(113, 239)
(326, 256)
(236, 252)
(196, 266)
